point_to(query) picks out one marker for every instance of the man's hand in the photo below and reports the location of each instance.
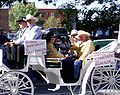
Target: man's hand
(78, 60)
(9, 43)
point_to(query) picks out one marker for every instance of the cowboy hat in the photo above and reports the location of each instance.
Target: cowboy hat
(21, 20)
(74, 32)
(29, 17)
(81, 32)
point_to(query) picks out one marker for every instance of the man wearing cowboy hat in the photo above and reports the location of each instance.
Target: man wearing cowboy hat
(83, 51)
(23, 26)
(32, 32)
(74, 33)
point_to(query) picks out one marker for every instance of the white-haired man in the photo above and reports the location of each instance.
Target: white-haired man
(32, 32)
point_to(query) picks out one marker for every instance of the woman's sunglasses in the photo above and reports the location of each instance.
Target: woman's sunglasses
(29, 20)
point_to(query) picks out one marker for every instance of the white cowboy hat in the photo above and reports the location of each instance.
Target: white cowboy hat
(81, 32)
(74, 32)
(29, 16)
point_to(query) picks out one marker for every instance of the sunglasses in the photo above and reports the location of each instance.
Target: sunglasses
(29, 20)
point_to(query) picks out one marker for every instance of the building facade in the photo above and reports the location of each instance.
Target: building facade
(49, 12)
(4, 19)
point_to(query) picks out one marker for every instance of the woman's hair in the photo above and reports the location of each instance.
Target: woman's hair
(87, 37)
(49, 35)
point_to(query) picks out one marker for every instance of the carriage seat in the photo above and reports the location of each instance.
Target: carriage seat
(101, 43)
(38, 49)
(15, 57)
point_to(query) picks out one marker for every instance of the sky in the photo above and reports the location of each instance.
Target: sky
(42, 5)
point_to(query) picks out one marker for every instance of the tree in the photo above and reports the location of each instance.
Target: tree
(106, 17)
(20, 10)
(70, 14)
(86, 2)
(52, 22)
(10, 2)
(90, 19)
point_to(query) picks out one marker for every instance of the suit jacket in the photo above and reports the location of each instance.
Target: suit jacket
(31, 33)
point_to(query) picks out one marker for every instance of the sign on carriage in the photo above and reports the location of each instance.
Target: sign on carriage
(103, 58)
(35, 47)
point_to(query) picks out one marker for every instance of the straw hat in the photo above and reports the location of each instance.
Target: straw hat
(74, 32)
(81, 32)
(29, 16)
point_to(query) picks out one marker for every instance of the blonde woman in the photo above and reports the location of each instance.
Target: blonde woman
(85, 48)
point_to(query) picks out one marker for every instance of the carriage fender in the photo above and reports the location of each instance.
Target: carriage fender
(86, 77)
(54, 76)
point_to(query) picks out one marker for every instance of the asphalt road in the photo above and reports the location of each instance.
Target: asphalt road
(41, 88)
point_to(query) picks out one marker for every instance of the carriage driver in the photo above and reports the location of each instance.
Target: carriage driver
(33, 32)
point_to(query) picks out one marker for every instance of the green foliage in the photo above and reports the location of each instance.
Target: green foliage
(70, 14)
(88, 2)
(40, 22)
(20, 10)
(52, 22)
(10, 2)
(106, 17)
(92, 18)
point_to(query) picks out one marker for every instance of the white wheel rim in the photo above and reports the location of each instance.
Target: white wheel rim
(106, 80)
(16, 83)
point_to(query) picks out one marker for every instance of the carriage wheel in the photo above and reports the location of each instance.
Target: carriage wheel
(88, 88)
(16, 83)
(106, 80)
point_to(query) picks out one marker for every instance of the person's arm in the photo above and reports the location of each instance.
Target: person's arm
(87, 50)
(20, 40)
(35, 33)
(53, 52)
(74, 47)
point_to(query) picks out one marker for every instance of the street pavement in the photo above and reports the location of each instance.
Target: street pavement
(41, 88)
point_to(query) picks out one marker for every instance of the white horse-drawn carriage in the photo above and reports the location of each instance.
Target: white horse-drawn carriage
(99, 76)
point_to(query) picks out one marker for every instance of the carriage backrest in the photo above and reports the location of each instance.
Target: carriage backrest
(101, 43)
(36, 51)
